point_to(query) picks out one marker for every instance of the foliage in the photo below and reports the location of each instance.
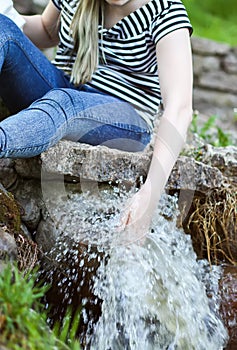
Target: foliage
(223, 9)
(210, 132)
(235, 115)
(215, 20)
(66, 333)
(22, 320)
(212, 224)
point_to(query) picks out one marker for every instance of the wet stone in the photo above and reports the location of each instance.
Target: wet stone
(8, 174)
(29, 196)
(8, 247)
(99, 163)
(228, 292)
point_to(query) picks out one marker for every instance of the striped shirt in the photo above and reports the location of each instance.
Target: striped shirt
(129, 48)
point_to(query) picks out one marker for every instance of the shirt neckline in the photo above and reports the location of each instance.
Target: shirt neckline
(125, 18)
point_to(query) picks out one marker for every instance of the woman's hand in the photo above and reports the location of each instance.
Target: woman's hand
(136, 217)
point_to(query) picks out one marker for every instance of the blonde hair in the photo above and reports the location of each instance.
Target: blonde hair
(85, 34)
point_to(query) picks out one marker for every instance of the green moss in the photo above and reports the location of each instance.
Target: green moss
(9, 211)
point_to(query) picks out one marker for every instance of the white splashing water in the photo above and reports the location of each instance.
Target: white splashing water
(154, 295)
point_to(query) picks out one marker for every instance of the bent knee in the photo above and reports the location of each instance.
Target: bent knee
(9, 31)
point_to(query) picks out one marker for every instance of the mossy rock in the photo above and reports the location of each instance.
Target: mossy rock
(10, 225)
(9, 211)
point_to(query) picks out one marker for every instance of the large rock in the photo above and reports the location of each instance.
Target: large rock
(222, 158)
(215, 73)
(189, 174)
(205, 63)
(29, 196)
(66, 212)
(109, 165)
(29, 168)
(8, 174)
(212, 99)
(230, 63)
(219, 81)
(208, 47)
(99, 163)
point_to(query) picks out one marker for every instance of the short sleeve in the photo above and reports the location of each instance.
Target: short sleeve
(58, 4)
(173, 17)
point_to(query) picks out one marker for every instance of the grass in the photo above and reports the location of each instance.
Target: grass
(210, 132)
(212, 224)
(23, 323)
(215, 20)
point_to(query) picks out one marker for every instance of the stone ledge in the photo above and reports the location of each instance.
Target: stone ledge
(77, 163)
(103, 164)
(98, 163)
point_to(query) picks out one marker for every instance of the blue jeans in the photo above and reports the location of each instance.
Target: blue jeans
(46, 107)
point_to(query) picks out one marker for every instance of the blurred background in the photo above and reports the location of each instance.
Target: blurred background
(29, 7)
(213, 19)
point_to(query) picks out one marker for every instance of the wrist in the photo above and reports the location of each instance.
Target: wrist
(153, 188)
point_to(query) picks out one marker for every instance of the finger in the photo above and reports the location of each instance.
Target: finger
(123, 221)
(128, 218)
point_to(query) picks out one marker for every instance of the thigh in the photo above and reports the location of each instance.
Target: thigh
(102, 119)
(26, 74)
(83, 116)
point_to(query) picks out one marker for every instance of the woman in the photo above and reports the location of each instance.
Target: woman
(116, 63)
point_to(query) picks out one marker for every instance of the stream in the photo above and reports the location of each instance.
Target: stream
(154, 295)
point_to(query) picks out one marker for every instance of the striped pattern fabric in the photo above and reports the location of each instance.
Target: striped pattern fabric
(130, 71)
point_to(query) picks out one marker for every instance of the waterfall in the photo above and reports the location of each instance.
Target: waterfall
(153, 296)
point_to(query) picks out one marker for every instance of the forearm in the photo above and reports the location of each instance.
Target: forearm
(169, 142)
(42, 30)
(37, 32)
(174, 60)
(176, 80)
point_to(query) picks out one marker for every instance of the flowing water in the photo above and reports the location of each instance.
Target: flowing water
(149, 296)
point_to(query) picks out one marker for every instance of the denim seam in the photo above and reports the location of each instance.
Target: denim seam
(5, 138)
(44, 100)
(127, 127)
(130, 127)
(72, 102)
(16, 150)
